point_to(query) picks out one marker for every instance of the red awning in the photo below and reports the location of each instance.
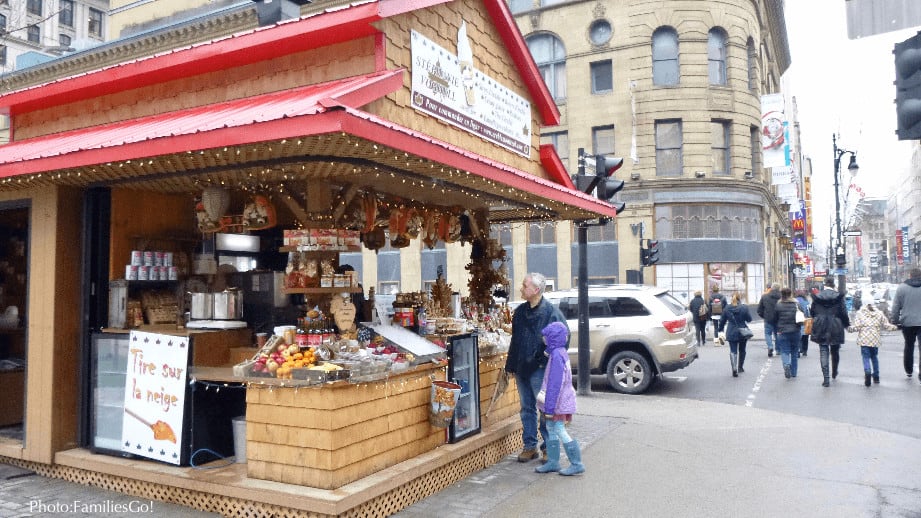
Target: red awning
(291, 114)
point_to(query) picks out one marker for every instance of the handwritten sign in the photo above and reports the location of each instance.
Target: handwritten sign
(155, 389)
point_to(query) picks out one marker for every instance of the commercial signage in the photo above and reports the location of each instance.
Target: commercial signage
(450, 88)
(898, 247)
(906, 246)
(798, 225)
(774, 140)
(155, 390)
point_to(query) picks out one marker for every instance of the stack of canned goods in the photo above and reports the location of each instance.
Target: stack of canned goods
(151, 265)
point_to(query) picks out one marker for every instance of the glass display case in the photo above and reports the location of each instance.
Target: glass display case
(463, 369)
(110, 364)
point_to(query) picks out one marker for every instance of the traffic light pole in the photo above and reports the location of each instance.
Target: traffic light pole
(584, 378)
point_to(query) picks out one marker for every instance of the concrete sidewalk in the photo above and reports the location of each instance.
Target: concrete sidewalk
(651, 456)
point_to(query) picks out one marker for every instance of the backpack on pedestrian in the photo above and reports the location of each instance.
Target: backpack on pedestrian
(717, 306)
(703, 312)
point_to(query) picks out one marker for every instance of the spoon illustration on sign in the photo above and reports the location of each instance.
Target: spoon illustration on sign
(161, 430)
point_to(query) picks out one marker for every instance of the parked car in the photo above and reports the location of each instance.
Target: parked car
(636, 333)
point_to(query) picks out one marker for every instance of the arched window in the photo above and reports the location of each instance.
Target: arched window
(752, 66)
(665, 57)
(716, 56)
(550, 57)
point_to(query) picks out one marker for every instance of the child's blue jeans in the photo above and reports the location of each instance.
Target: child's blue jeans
(870, 356)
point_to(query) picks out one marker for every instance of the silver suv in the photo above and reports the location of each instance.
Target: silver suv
(635, 333)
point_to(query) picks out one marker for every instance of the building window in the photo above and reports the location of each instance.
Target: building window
(755, 142)
(599, 32)
(716, 56)
(665, 57)
(752, 66)
(2, 54)
(550, 57)
(34, 34)
(3, 21)
(603, 140)
(520, 6)
(668, 148)
(560, 141)
(501, 233)
(64, 40)
(713, 221)
(66, 12)
(541, 234)
(719, 137)
(602, 76)
(34, 7)
(95, 23)
(600, 233)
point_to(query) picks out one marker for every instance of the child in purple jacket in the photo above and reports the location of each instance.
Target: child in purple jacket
(557, 400)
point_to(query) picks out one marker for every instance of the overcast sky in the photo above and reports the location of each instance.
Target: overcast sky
(843, 87)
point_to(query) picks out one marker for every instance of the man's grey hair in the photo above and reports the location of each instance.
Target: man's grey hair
(775, 286)
(538, 281)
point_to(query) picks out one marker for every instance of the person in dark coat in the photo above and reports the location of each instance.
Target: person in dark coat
(788, 331)
(829, 320)
(804, 304)
(766, 311)
(735, 317)
(700, 320)
(526, 359)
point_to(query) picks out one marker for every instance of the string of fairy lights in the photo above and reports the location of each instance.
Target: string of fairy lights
(405, 381)
(385, 163)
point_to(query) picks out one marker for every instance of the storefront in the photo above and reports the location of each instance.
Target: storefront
(413, 122)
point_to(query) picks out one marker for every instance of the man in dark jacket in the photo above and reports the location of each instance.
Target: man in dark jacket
(766, 308)
(829, 320)
(906, 313)
(701, 312)
(526, 359)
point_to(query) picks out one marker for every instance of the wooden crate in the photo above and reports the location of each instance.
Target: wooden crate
(329, 436)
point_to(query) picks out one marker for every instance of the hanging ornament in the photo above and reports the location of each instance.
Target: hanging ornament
(216, 201)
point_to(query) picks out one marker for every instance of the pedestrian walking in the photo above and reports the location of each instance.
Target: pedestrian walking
(715, 303)
(788, 331)
(735, 320)
(868, 323)
(557, 401)
(802, 298)
(526, 359)
(829, 320)
(766, 311)
(701, 311)
(905, 312)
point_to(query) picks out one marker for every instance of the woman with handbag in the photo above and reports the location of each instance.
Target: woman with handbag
(802, 299)
(734, 319)
(787, 320)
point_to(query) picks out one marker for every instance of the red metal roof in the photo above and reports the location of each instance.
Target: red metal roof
(287, 114)
(70, 148)
(334, 25)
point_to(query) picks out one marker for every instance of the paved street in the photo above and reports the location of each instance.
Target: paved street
(663, 454)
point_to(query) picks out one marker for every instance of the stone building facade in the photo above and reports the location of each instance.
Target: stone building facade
(674, 87)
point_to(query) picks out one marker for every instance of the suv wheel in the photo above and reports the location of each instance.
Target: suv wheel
(628, 372)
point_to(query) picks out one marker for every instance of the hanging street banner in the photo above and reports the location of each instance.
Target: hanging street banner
(798, 226)
(906, 247)
(898, 247)
(450, 88)
(782, 176)
(775, 150)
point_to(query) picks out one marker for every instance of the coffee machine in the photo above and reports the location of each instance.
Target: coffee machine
(265, 303)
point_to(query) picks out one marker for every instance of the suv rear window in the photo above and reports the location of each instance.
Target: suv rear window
(672, 303)
(602, 307)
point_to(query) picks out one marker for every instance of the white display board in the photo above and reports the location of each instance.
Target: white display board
(155, 391)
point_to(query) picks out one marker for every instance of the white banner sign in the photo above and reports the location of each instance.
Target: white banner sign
(787, 193)
(450, 88)
(155, 389)
(781, 175)
(775, 151)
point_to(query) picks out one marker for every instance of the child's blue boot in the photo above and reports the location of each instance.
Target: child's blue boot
(553, 458)
(575, 459)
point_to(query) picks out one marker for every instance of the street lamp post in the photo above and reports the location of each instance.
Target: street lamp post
(840, 257)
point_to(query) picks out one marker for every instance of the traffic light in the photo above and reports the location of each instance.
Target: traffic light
(908, 88)
(649, 252)
(605, 167)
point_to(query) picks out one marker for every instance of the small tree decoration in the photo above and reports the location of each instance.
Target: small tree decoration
(487, 270)
(441, 296)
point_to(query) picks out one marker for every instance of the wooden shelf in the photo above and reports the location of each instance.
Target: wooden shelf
(346, 289)
(295, 249)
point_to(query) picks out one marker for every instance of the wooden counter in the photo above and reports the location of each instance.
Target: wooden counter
(210, 347)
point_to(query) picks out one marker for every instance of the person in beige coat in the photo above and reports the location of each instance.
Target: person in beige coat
(868, 324)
